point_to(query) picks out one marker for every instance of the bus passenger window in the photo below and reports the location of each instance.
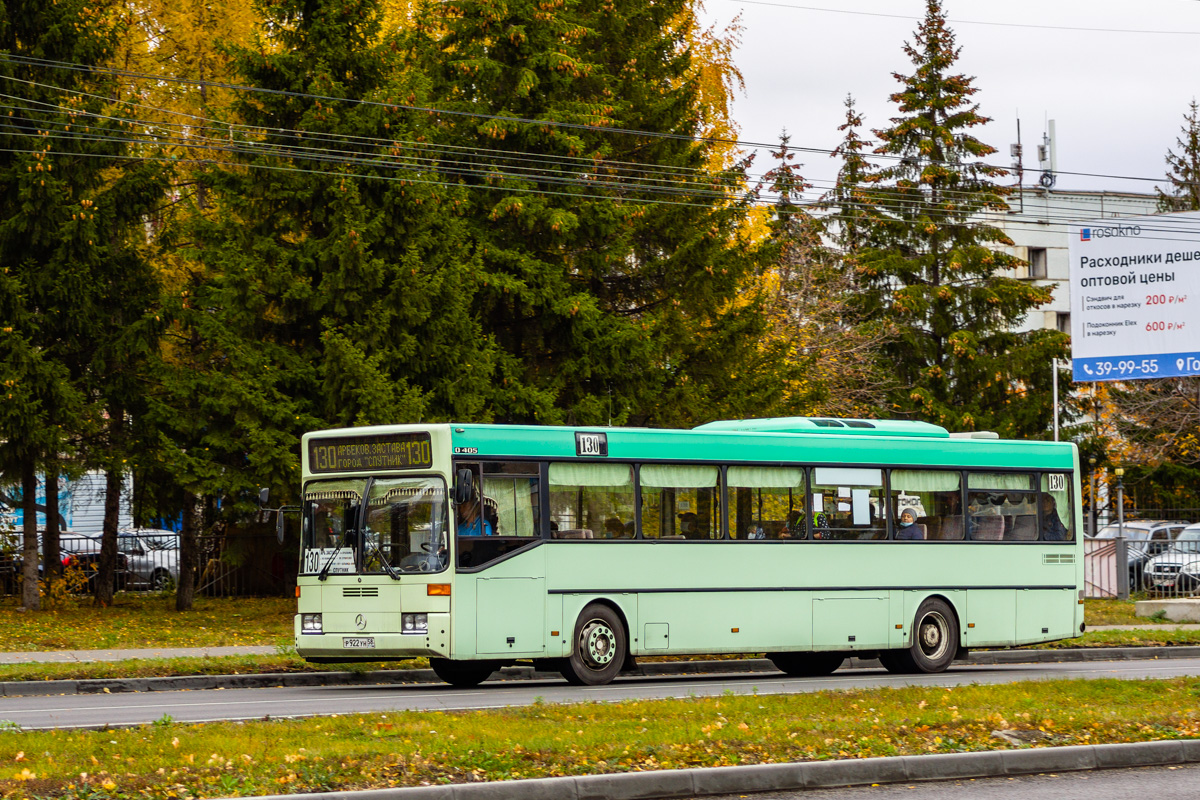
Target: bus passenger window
(1057, 514)
(766, 503)
(591, 501)
(510, 498)
(680, 501)
(1001, 506)
(934, 497)
(847, 503)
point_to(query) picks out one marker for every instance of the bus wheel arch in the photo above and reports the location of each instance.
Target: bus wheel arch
(599, 645)
(934, 639)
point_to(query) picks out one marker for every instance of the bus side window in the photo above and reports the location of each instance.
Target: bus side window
(680, 501)
(766, 503)
(933, 498)
(591, 501)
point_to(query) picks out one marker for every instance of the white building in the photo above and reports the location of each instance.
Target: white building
(1037, 224)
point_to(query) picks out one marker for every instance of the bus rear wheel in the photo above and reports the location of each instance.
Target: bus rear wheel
(935, 641)
(462, 673)
(806, 665)
(598, 649)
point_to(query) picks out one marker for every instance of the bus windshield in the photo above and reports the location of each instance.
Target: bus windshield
(401, 528)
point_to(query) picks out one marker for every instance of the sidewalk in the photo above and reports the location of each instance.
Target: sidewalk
(82, 656)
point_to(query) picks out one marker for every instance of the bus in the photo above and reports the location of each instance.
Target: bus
(580, 549)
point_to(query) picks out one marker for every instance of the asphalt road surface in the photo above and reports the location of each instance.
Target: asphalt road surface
(99, 710)
(1159, 783)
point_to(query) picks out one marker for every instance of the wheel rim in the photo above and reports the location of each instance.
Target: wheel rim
(598, 644)
(931, 636)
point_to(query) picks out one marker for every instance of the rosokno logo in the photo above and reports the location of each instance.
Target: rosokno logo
(1109, 232)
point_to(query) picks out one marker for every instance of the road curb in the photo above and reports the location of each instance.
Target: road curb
(652, 669)
(796, 776)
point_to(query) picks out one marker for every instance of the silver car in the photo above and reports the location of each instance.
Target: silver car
(1176, 569)
(1145, 539)
(153, 557)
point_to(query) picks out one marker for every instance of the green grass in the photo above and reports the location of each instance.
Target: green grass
(362, 751)
(148, 619)
(1116, 612)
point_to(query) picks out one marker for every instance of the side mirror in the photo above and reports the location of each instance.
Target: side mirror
(278, 526)
(464, 485)
(264, 494)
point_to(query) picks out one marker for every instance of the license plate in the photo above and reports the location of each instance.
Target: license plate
(350, 642)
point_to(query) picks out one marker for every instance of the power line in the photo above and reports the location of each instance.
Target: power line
(965, 21)
(47, 63)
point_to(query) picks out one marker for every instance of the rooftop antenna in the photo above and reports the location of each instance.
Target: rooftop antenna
(1019, 165)
(1048, 158)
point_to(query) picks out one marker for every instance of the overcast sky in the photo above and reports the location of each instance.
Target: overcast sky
(1118, 98)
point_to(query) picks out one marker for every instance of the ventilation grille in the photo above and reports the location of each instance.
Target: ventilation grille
(1058, 558)
(360, 591)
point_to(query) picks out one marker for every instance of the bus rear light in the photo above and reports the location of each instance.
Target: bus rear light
(438, 590)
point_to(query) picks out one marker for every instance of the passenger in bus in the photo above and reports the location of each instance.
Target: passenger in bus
(795, 526)
(471, 522)
(1052, 528)
(613, 528)
(907, 527)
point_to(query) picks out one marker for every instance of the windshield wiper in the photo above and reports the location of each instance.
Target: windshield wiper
(324, 573)
(386, 566)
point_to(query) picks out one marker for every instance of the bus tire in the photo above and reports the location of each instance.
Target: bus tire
(806, 665)
(934, 645)
(462, 673)
(598, 648)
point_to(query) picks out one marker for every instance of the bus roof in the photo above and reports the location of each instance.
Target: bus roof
(858, 427)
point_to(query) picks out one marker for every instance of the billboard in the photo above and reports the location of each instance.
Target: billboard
(1135, 284)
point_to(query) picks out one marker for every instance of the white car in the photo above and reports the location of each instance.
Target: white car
(1176, 569)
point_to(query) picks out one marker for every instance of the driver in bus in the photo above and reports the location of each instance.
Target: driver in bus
(470, 521)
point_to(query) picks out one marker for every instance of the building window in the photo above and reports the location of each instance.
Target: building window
(1064, 321)
(1037, 262)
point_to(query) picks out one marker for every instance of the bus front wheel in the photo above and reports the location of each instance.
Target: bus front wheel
(598, 649)
(462, 673)
(935, 641)
(806, 665)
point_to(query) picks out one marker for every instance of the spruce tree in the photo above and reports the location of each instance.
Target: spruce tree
(608, 247)
(71, 237)
(1183, 173)
(934, 267)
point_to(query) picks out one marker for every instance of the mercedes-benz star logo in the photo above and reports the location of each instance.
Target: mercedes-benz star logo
(360, 622)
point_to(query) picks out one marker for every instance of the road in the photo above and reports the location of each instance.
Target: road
(99, 710)
(1160, 783)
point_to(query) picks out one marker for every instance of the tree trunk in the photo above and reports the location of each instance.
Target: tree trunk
(185, 589)
(107, 574)
(30, 599)
(51, 552)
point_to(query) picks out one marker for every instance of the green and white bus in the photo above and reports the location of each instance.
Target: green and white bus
(579, 549)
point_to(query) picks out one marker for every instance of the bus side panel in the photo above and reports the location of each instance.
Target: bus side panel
(845, 621)
(509, 618)
(991, 617)
(719, 622)
(1045, 614)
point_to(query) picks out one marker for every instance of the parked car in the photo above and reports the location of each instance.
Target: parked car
(1176, 569)
(1146, 539)
(150, 556)
(153, 557)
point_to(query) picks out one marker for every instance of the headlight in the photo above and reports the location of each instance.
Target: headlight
(310, 623)
(414, 623)
(1192, 568)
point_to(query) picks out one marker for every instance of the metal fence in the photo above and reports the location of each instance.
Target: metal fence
(239, 564)
(1147, 559)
